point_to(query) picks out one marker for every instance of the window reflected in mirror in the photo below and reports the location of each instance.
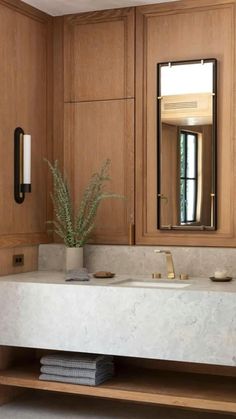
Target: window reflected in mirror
(186, 145)
(188, 176)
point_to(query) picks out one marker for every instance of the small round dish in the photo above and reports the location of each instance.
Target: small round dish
(226, 279)
(104, 274)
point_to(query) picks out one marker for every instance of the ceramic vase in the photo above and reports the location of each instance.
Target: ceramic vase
(74, 258)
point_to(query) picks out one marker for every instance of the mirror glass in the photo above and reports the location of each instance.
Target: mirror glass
(186, 145)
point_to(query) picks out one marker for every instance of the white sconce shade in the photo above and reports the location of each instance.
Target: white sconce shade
(22, 164)
(27, 159)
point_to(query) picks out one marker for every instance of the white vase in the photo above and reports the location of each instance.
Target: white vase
(74, 258)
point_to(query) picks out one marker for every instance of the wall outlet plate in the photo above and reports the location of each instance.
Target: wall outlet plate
(18, 260)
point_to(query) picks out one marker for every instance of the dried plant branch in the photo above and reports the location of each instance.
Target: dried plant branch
(75, 227)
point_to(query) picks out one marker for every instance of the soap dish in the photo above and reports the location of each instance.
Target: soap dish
(226, 279)
(104, 274)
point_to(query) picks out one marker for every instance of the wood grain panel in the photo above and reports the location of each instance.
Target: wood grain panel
(13, 240)
(7, 394)
(8, 356)
(58, 90)
(169, 183)
(99, 55)
(30, 260)
(179, 32)
(58, 95)
(164, 365)
(26, 9)
(25, 39)
(94, 132)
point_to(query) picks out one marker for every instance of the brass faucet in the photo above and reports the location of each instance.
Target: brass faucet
(169, 263)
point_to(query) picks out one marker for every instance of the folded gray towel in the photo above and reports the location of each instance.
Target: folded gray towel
(78, 372)
(81, 360)
(77, 275)
(72, 380)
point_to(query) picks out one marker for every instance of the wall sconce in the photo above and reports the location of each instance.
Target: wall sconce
(22, 164)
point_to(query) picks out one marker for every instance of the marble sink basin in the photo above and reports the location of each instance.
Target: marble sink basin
(153, 284)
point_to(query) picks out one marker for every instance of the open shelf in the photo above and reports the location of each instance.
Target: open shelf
(193, 391)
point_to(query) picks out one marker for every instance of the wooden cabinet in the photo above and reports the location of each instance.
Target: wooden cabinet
(95, 131)
(25, 101)
(179, 31)
(99, 55)
(99, 112)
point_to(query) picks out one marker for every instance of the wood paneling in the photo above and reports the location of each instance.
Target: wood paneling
(169, 183)
(58, 90)
(8, 356)
(96, 84)
(26, 9)
(184, 30)
(25, 40)
(95, 131)
(177, 366)
(99, 55)
(58, 95)
(30, 260)
(7, 394)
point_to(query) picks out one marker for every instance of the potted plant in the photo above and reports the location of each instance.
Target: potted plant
(74, 226)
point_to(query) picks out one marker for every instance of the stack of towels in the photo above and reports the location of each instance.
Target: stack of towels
(83, 369)
(77, 275)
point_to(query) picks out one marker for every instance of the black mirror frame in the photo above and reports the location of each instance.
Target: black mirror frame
(213, 226)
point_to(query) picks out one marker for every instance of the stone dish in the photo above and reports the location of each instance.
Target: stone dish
(226, 279)
(104, 274)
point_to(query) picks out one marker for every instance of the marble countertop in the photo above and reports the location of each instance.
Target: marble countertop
(192, 324)
(52, 277)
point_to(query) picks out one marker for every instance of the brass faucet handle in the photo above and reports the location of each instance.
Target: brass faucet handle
(184, 276)
(156, 275)
(166, 252)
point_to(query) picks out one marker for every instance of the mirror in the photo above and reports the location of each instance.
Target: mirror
(186, 145)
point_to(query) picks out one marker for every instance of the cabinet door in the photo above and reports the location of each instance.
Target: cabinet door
(99, 55)
(95, 131)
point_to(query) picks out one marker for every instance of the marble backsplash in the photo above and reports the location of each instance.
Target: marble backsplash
(141, 260)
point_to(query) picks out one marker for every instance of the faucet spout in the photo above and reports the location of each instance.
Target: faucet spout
(169, 263)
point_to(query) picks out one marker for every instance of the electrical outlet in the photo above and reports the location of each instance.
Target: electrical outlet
(18, 260)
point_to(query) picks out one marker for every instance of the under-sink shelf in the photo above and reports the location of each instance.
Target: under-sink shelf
(186, 390)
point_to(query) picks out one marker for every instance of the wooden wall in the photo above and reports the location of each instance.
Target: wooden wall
(90, 78)
(95, 102)
(184, 30)
(26, 98)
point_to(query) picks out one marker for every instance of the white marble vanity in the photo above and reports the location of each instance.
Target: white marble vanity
(192, 324)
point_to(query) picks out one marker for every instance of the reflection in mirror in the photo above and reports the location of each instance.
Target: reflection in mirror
(187, 145)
